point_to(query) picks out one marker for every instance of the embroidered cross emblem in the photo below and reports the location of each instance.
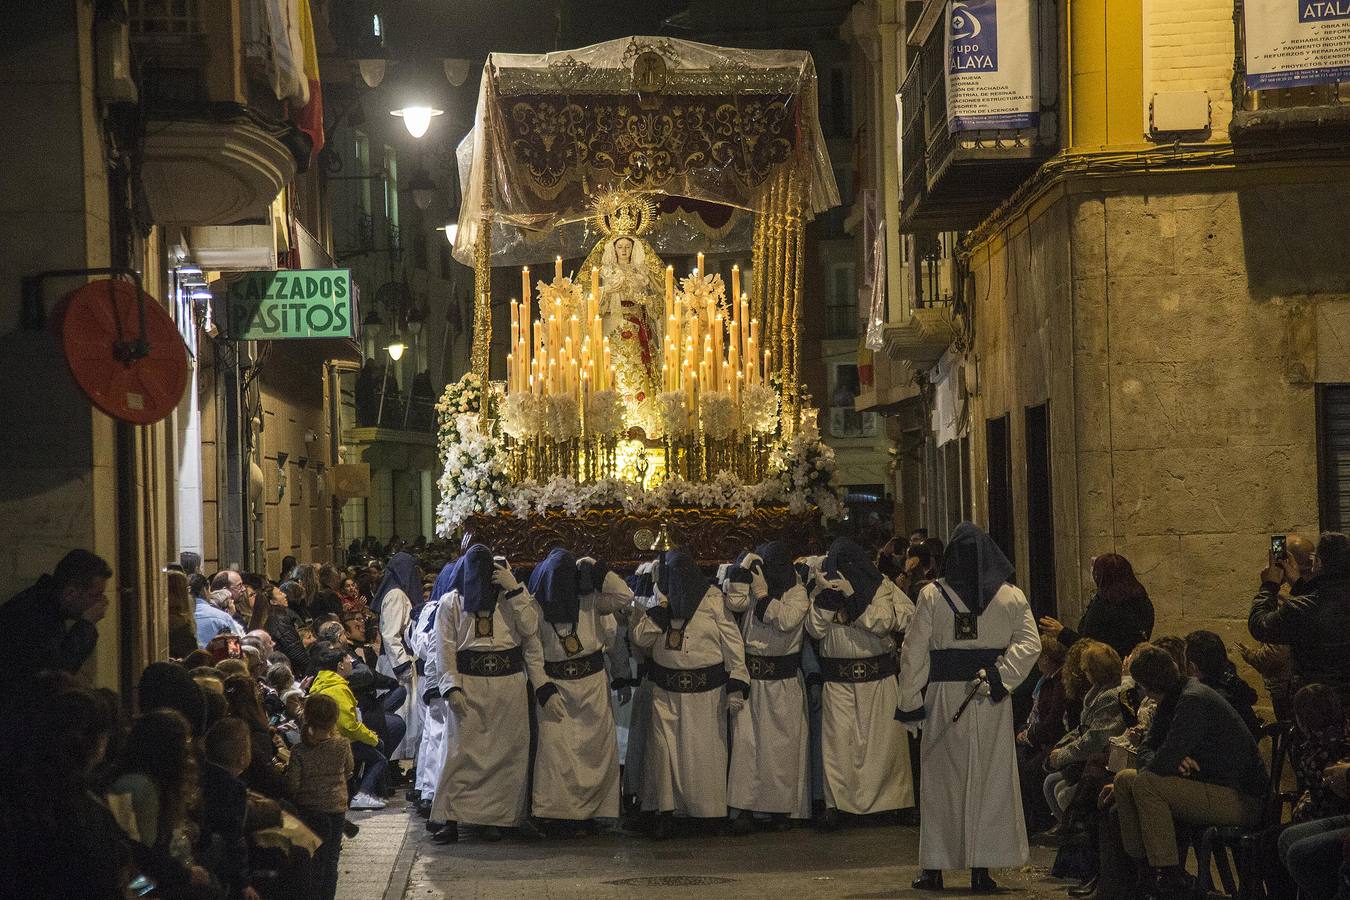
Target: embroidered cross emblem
(859, 671)
(756, 667)
(572, 670)
(491, 664)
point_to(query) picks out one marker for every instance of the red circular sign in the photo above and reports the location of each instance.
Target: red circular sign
(98, 323)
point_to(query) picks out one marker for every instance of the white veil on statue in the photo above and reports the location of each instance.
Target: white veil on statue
(610, 256)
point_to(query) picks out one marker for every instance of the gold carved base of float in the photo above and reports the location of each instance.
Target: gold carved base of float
(712, 535)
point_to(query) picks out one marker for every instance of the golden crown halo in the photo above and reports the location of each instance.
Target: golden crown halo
(624, 213)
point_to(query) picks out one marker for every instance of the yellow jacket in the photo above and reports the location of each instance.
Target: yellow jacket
(348, 725)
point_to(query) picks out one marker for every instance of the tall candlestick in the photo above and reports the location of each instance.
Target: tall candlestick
(557, 267)
(670, 287)
(735, 282)
(700, 264)
(525, 284)
(595, 282)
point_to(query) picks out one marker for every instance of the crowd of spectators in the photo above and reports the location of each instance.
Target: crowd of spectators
(274, 716)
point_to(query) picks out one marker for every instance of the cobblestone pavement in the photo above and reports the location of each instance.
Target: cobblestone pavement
(393, 859)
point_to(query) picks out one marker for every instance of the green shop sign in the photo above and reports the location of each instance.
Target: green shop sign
(290, 303)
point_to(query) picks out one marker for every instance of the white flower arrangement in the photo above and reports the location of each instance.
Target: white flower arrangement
(716, 414)
(759, 409)
(459, 398)
(808, 474)
(562, 289)
(698, 289)
(604, 413)
(562, 419)
(522, 415)
(672, 414)
(474, 480)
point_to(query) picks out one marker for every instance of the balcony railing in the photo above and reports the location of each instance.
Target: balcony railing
(1317, 113)
(952, 181)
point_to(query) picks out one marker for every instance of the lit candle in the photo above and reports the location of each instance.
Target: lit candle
(670, 288)
(700, 264)
(557, 267)
(735, 281)
(576, 331)
(595, 282)
(510, 371)
(525, 284)
(608, 369)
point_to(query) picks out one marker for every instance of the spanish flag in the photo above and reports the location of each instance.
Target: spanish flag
(309, 118)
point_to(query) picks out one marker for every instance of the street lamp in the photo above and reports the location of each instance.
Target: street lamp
(451, 232)
(422, 188)
(417, 119)
(396, 346)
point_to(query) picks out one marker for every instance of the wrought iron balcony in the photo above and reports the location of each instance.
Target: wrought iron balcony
(950, 182)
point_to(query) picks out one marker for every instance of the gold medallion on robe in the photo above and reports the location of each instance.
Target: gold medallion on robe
(571, 644)
(482, 626)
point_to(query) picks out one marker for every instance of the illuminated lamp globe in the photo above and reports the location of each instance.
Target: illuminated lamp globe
(396, 348)
(451, 232)
(417, 119)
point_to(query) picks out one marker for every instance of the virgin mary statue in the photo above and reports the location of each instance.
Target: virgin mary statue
(631, 302)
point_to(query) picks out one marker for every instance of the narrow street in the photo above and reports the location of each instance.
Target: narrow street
(393, 859)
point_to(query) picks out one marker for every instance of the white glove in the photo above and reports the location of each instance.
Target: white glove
(502, 578)
(841, 584)
(749, 560)
(554, 708)
(735, 703)
(459, 704)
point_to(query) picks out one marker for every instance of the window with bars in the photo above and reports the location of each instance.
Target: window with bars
(1333, 445)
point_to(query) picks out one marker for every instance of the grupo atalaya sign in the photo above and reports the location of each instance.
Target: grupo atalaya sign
(290, 303)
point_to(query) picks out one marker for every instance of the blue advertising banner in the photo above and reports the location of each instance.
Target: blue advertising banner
(1296, 42)
(991, 65)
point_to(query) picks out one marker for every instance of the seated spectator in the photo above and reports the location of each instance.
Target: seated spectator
(225, 822)
(1315, 620)
(320, 767)
(213, 617)
(1119, 613)
(1200, 768)
(1044, 728)
(198, 658)
(1314, 851)
(325, 603)
(283, 626)
(58, 841)
(1207, 659)
(1319, 743)
(154, 784)
(335, 667)
(378, 696)
(1100, 720)
(51, 624)
(264, 771)
(282, 680)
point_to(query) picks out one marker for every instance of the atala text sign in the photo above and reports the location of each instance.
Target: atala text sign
(1296, 42)
(290, 303)
(991, 65)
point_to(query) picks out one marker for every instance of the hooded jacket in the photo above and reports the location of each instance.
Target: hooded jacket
(349, 726)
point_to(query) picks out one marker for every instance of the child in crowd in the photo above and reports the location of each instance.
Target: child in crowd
(225, 805)
(317, 781)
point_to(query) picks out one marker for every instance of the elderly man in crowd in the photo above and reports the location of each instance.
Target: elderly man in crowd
(212, 615)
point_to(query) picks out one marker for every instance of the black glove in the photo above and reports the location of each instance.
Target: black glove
(757, 566)
(996, 689)
(735, 684)
(544, 691)
(855, 606)
(430, 694)
(803, 571)
(831, 599)
(737, 575)
(660, 615)
(762, 606)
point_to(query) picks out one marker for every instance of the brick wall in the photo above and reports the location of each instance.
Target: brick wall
(1188, 46)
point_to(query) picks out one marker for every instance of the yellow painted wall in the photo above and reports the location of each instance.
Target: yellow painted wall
(1104, 44)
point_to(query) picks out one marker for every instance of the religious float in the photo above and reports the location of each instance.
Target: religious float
(644, 404)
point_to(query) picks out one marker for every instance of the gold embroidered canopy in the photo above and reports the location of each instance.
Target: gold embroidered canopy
(711, 125)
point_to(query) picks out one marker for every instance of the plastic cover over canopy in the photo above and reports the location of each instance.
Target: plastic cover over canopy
(708, 127)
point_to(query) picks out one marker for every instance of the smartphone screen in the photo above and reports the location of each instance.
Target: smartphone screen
(1277, 546)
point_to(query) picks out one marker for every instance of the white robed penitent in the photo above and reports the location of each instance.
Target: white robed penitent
(864, 756)
(971, 813)
(484, 775)
(770, 738)
(576, 765)
(435, 712)
(685, 758)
